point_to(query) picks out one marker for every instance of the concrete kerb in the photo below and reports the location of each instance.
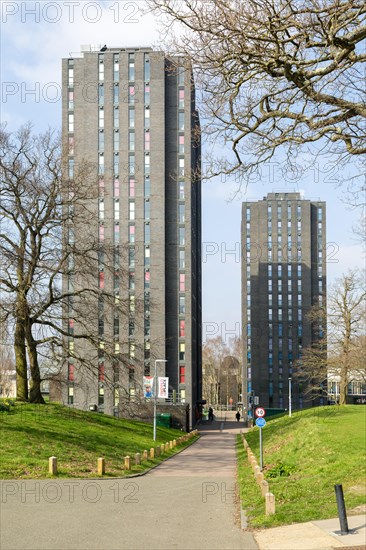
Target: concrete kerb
(269, 498)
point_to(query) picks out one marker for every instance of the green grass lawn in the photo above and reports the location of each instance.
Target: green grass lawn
(30, 434)
(304, 457)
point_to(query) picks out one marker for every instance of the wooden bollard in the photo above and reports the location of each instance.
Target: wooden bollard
(162, 448)
(257, 470)
(137, 459)
(157, 451)
(127, 463)
(144, 455)
(174, 442)
(52, 465)
(170, 444)
(166, 447)
(270, 504)
(245, 443)
(101, 466)
(152, 452)
(259, 477)
(264, 488)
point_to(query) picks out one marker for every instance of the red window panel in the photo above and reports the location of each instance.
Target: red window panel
(101, 372)
(182, 375)
(71, 373)
(182, 329)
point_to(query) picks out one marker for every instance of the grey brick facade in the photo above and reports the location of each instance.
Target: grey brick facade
(133, 115)
(283, 276)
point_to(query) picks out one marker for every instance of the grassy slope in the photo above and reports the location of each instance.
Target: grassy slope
(323, 446)
(30, 434)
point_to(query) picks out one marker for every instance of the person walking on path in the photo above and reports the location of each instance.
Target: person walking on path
(237, 416)
(210, 414)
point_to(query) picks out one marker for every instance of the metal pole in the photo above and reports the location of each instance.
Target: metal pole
(289, 398)
(155, 392)
(260, 449)
(341, 509)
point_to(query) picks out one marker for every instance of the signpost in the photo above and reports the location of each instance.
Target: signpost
(260, 422)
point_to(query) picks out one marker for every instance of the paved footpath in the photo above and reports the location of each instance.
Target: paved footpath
(189, 502)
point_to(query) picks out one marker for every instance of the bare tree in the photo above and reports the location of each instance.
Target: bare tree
(46, 280)
(345, 338)
(274, 74)
(213, 353)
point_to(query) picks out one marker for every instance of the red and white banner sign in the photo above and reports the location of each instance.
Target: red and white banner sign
(163, 387)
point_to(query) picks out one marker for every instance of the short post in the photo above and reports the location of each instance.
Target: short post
(341, 509)
(152, 452)
(170, 444)
(137, 459)
(259, 477)
(162, 448)
(101, 466)
(157, 451)
(270, 504)
(144, 455)
(174, 442)
(52, 465)
(166, 447)
(127, 463)
(264, 488)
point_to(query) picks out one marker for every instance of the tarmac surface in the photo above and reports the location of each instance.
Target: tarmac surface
(188, 502)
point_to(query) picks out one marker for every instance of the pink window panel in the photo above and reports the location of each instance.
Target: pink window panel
(147, 141)
(132, 90)
(101, 233)
(182, 329)
(132, 187)
(147, 89)
(181, 140)
(71, 373)
(181, 94)
(101, 279)
(182, 282)
(116, 188)
(101, 372)
(71, 323)
(71, 145)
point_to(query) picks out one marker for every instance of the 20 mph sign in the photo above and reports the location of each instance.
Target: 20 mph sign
(259, 412)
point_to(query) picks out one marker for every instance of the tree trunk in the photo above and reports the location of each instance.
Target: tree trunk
(35, 395)
(20, 362)
(343, 385)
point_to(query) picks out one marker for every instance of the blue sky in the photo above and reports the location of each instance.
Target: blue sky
(37, 35)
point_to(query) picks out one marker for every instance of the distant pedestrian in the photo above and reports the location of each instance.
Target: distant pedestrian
(237, 416)
(210, 414)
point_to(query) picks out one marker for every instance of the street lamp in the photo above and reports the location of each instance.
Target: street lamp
(289, 397)
(155, 391)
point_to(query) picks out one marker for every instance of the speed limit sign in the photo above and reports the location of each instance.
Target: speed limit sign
(260, 412)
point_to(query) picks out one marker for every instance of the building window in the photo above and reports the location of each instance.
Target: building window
(182, 263)
(182, 282)
(181, 145)
(182, 236)
(182, 328)
(70, 396)
(182, 305)
(182, 351)
(71, 122)
(180, 121)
